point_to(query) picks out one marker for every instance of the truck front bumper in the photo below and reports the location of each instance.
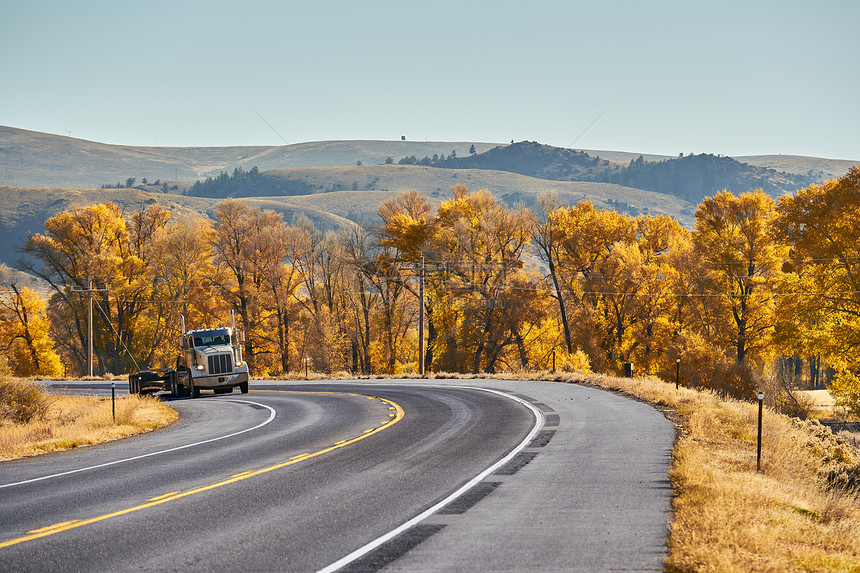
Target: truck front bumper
(221, 380)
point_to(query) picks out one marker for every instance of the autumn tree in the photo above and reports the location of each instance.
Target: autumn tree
(278, 281)
(586, 241)
(183, 274)
(94, 246)
(409, 224)
(139, 296)
(545, 239)
(25, 338)
(661, 304)
(483, 242)
(320, 261)
(382, 286)
(409, 228)
(735, 237)
(820, 226)
(238, 237)
(357, 247)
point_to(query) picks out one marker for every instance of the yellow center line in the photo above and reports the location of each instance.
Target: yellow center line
(158, 497)
(51, 527)
(152, 502)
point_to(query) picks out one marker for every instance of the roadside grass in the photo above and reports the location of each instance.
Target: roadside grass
(800, 513)
(34, 422)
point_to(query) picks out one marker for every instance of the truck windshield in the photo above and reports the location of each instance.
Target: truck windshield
(212, 339)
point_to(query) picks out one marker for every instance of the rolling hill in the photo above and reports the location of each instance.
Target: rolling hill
(32, 159)
(337, 183)
(330, 202)
(24, 210)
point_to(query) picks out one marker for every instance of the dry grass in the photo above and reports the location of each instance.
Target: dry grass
(822, 403)
(61, 422)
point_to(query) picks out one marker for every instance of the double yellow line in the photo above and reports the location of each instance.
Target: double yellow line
(395, 416)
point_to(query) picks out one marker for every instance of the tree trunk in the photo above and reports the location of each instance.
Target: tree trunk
(562, 312)
(431, 337)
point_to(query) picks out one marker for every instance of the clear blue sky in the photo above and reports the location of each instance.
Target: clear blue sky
(733, 77)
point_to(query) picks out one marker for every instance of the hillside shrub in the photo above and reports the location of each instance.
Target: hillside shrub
(845, 389)
(21, 402)
(576, 362)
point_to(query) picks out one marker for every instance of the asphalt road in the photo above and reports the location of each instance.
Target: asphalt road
(357, 476)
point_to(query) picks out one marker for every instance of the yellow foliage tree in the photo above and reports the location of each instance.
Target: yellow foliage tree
(734, 236)
(25, 334)
(820, 226)
(182, 275)
(94, 246)
(483, 243)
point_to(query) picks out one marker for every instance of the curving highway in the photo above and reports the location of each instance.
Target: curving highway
(356, 476)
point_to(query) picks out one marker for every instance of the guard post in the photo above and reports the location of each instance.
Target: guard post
(758, 448)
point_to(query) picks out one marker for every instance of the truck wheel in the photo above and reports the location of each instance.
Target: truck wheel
(243, 387)
(190, 390)
(176, 386)
(195, 390)
(132, 383)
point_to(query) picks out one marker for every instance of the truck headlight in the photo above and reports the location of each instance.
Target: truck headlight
(199, 367)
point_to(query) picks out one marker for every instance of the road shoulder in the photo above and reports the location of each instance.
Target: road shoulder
(590, 493)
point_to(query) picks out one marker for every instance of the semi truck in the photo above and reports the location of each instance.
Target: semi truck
(209, 359)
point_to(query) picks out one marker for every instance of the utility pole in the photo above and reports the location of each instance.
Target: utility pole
(421, 269)
(89, 291)
(421, 319)
(90, 328)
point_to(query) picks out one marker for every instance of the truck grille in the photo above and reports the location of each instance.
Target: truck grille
(220, 363)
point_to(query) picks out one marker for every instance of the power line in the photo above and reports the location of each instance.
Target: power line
(279, 135)
(588, 127)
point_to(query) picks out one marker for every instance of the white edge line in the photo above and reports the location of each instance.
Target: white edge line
(362, 551)
(272, 415)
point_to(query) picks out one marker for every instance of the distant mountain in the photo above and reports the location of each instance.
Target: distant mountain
(692, 178)
(537, 160)
(695, 177)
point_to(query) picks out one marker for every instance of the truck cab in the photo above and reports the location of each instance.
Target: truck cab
(211, 359)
